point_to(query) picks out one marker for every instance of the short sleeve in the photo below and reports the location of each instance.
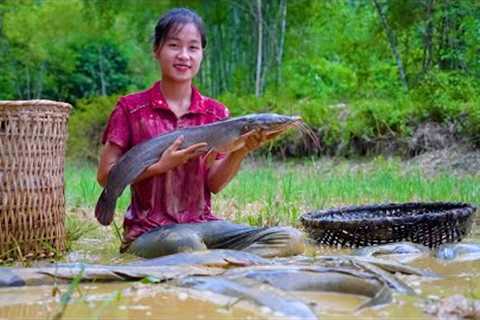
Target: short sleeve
(223, 112)
(117, 130)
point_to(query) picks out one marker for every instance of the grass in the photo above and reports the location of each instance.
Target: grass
(82, 189)
(267, 192)
(272, 193)
(67, 296)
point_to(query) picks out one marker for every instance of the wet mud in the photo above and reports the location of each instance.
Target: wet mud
(325, 283)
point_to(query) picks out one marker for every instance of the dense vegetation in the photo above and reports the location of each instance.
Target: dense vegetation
(368, 76)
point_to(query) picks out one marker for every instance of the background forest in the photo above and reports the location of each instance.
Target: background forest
(369, 76)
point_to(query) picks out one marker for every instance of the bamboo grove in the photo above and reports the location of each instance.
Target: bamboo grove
(356, 70)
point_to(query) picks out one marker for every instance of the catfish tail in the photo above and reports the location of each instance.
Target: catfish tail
(105, 208)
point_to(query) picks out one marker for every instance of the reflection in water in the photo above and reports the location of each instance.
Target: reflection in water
(140, 301)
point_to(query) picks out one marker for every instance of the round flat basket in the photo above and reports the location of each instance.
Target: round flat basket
(32, 136)
(430, 224)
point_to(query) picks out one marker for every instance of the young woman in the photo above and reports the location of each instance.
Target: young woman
(170, 210)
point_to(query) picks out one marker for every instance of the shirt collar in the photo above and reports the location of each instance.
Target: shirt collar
(158, 100)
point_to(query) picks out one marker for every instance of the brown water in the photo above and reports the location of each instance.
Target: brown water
(117, 301)
(150, 301)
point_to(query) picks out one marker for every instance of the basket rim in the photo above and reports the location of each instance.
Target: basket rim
(35, 103)
(316, 216)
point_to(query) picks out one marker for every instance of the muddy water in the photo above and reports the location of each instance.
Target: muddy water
(150, 301)
(117, 301)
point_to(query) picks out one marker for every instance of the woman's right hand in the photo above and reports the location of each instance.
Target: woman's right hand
(172, 157)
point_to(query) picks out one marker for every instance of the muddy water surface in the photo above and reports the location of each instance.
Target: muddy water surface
(117, 301)
(155, 301)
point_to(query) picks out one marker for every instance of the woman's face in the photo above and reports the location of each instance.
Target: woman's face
(181, 54)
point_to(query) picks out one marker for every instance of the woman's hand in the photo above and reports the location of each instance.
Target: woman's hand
(172, 157)
(222, 171)
(255, 139)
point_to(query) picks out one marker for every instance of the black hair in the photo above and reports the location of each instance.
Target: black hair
(175, 19)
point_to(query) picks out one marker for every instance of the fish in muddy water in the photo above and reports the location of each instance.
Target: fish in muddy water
(19, 277)
(220, 136)
(458, 252)
(320, 279)
(163, 268)
(392, 248)
(270, 284)
(220, 258)
(334, 261)
(281, 304)
(400, 251)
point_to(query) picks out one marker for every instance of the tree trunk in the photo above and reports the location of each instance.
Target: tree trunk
(393, 44)
(283, 27)
(222, 60)
(17, 83)
(28, 87)
(103, 84)
(39, 82)
(428, 39)
(258, 76)
(236, 52)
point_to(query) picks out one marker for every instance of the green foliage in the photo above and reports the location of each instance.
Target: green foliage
(101, 69)
(86, 126)
(38, 39)
(443, 93)
(377, 118)
(69, 50)
(471, 121)
(318, 78)
(334, 53)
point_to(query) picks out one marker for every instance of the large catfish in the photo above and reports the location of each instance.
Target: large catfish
(220, 136)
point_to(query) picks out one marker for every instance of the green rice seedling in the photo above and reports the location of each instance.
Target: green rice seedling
(76, 228)
(82, 189)
(267, 192)
(67, 296)
(283, 192)
(115, 298)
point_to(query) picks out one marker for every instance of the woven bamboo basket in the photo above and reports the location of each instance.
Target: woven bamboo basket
(430, 224)
(32, 200)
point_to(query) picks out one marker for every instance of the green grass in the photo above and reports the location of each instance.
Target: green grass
(82, 189)
(282, 192)
(269, 193)
(81, 194)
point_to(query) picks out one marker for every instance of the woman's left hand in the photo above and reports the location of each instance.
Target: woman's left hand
(255, 139)
(248, 142)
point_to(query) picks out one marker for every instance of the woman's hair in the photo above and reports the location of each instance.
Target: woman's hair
(174, 20)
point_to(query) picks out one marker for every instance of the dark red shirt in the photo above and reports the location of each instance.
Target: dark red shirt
(180, 195)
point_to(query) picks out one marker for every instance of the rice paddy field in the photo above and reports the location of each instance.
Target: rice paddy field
(265, 192)
(270, 192)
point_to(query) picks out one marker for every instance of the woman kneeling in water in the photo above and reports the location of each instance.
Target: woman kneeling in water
(170, 209)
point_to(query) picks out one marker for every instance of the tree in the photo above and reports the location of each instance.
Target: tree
(392, 40)
(258, 74)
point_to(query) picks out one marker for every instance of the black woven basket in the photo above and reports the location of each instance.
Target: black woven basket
(430, 224)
